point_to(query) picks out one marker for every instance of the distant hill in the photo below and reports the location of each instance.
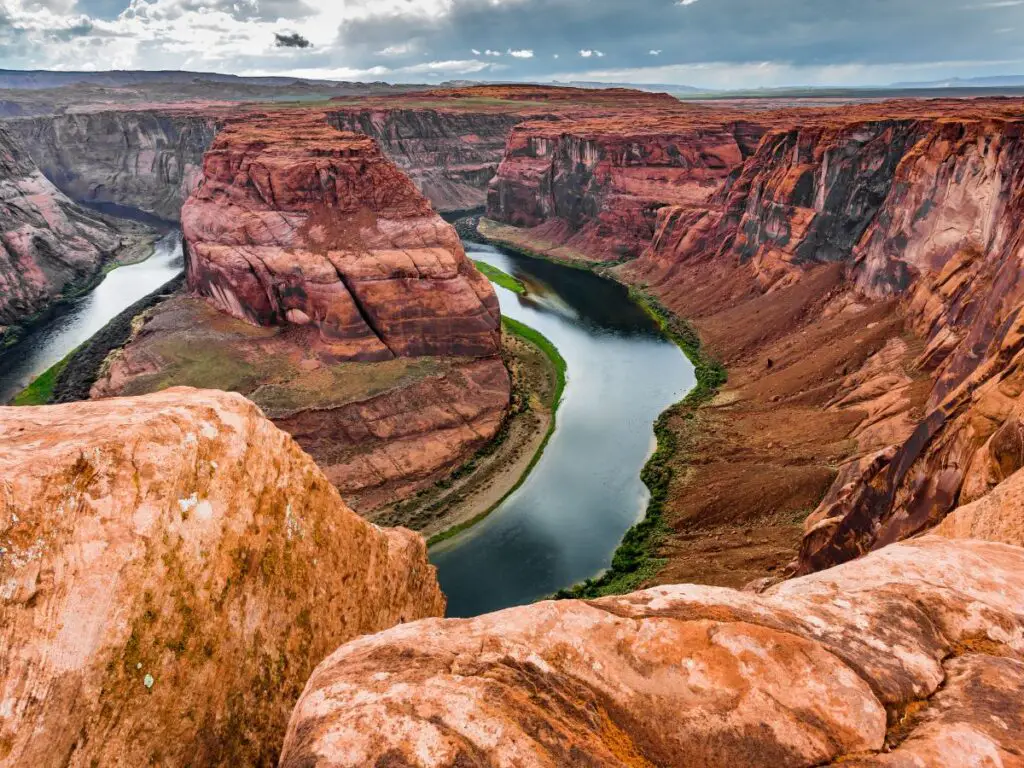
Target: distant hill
(39, 79)
(997, 81)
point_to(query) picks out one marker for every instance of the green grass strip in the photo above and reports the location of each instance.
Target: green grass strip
(542, 342)
(40, 391)
(635, 561)
(498, 277)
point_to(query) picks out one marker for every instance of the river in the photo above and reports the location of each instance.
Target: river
(51, 342)
(564, 523)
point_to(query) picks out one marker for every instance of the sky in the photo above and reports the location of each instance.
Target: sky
(716, 44)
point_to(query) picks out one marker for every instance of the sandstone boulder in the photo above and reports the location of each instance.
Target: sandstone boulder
(172, 568)
(835, 665)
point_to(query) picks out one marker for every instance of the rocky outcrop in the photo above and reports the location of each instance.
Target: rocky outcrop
(49, 247)
(595, 185)
(297, 223)
(172, 569)
(149, 160)
(915, 650)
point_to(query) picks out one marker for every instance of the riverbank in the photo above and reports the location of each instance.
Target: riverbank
(139, 246)
(475, 490)
(721, 512)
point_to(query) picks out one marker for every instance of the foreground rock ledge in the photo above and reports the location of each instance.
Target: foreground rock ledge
(917, 647)
(172, 567)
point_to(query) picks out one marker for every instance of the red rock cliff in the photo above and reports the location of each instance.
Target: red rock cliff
(918, 207)
(172, 568)
(596, 184)
(298, 223)
(48, 245)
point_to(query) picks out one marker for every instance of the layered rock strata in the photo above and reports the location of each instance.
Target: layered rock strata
(595, 185)
(912, 656)
(297, 223)
(149, 160)
(172, 568)
(49, 246)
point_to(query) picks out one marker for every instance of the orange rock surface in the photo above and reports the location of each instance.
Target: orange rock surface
(926, 635)
(298, 223)
(172, 569)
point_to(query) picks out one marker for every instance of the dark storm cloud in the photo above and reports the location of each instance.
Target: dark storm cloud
(294, 40)
(799, 32)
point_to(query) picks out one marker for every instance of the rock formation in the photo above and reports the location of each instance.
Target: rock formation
(149, 160)
(451, 141)
(298, 223)
(450, 155)
(596, 184)
(49, 246)
(172, 569)
(915, 650)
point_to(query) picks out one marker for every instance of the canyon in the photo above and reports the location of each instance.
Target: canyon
(840, 493)
(50, 248)
(855, 270)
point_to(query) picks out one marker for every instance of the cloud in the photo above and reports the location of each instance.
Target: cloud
(747, 43)
(294, 40)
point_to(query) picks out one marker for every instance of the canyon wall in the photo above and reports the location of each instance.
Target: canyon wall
(49, 247)
(888, 234)
(595, 185)
(173, 567)
(451, 156)
(150, 160)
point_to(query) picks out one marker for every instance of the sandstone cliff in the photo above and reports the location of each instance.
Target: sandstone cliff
(337, 300)
(172, 569)
(451, 156)
(49, 247)
(150, 160)
(595, 185)
(298, 223)
(915, 650)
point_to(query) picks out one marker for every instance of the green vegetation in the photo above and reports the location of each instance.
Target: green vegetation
(539, 340)
(498, 277)
(636, 561)
(40, 391)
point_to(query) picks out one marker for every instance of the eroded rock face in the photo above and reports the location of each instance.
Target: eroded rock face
(172, 568)
(805, 674)
(596, 184)
(910, 207)
(297, 223)
(48, 245)
(149, 160)
(451, 156)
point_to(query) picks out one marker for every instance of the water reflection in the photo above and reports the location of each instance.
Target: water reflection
(564, 523)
